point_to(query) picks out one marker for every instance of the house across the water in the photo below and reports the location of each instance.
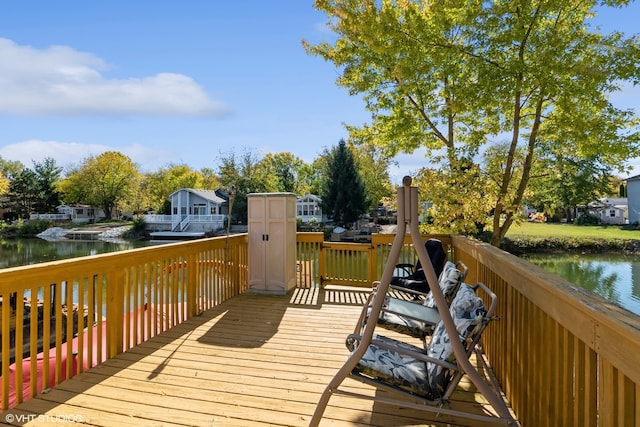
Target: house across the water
(76, 213)
(308, 208)
(193, 214)
(611, 210)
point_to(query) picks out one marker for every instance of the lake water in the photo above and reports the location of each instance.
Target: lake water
(16, 252)
(612, 276)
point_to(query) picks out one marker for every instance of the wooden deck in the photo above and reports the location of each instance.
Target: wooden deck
(255, 360)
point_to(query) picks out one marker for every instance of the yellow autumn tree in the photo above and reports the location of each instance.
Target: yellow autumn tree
(106, 181)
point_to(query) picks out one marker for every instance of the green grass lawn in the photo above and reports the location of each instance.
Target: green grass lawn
(555, 230)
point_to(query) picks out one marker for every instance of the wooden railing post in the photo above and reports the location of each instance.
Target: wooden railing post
(372, 274)
(193, 275)
(322, 263)
(115, 313)
(241, 287)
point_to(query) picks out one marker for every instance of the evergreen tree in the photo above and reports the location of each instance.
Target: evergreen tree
(47, 174)
(22, 193)
(343, 193)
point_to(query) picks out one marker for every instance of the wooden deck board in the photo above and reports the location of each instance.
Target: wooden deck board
(254, 360)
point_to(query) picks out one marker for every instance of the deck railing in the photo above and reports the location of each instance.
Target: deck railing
(88, 309)
(562, 356)
(349, 264)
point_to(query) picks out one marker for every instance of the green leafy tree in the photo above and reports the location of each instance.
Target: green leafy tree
(106, 181)
(456, 208)
(567, 181)
(161, 184)
(4, 184)
(210, 180)
(456, 77)
(287, 170)
(247, 174)
(10, 169)
(313, 176)
(343, 193)
(373, 167)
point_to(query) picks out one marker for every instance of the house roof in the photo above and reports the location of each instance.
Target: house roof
(610, 202)
(633, 178)
(205, 194)
(309, 197)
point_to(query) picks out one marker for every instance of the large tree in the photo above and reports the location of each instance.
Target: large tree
(247, 174)
(48, 175)
(161, 184)
(454, 77)
(4, 184)
(9, 170)
(23, 192)
(343, 193)
(287, 170)
(106, 180)
(373, 167)
(565, 181)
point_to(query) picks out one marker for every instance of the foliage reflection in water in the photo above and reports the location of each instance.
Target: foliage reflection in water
(17, 252)
(615, 277)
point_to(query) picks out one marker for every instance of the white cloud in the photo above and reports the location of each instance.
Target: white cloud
(68, 154)
(62, 81)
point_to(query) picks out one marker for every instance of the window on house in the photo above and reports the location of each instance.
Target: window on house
(612, 213)
(199, 209)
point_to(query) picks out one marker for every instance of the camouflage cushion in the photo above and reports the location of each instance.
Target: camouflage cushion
(449, 282)
(425, 379)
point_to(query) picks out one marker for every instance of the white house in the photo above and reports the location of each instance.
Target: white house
(192, 211)
(75, 213)
(611, 210)
(308, 208)
(633, 199)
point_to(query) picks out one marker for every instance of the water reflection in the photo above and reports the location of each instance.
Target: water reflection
(16, 252)
(614, 277)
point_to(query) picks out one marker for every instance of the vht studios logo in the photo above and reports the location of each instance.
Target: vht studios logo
(25, 418)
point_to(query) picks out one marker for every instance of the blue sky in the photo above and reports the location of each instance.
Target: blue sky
(179, 82)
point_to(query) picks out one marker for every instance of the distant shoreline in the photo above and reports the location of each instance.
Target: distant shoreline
(521, 245)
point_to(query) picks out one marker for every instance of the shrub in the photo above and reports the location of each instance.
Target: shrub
(138, 224)
(31, 228)
(587, 219)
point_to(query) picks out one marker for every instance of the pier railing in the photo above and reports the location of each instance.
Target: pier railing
(561, 355)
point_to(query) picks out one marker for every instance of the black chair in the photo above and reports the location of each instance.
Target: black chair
(415, 278)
